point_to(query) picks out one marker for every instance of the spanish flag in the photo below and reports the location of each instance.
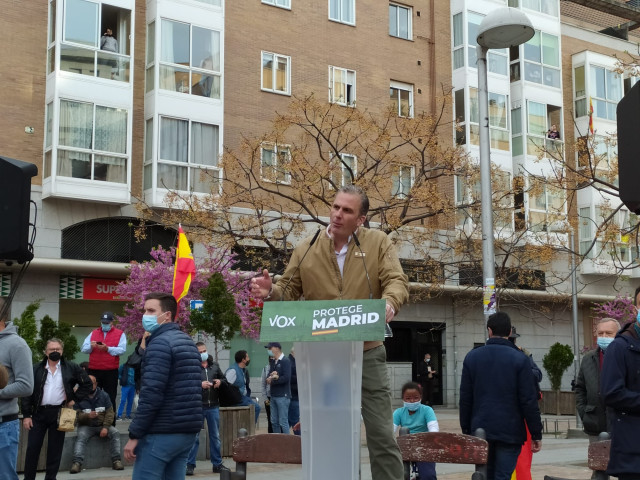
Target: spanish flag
(590, 115)
(185, 267)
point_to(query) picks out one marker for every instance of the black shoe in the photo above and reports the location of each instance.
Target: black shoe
(190, 469)
(220, 468)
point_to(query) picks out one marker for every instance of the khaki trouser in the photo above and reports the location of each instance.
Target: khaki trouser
(384, 454)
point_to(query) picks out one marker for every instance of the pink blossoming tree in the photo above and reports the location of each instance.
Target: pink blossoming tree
(157, 276)
(620, 308)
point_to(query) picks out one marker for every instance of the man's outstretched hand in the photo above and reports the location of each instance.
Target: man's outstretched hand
(261, 285)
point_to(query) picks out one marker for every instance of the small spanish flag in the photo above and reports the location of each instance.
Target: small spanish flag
(591, 115)
(185, 267)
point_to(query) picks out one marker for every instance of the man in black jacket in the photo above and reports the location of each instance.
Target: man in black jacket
(211, 376)
(497, 394)
(54, 382)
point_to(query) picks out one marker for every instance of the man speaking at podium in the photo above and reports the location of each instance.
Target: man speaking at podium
(333, 268)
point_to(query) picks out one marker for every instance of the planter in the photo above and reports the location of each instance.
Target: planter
(558, 403)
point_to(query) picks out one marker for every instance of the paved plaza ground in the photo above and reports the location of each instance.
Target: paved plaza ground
(560, 456)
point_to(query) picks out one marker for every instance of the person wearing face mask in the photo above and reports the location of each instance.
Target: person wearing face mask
(104, 345)
(237, 375)
(426, 375)
(169, 411)
(211, 377)
(54, 382)
(588, 400)
(418, 418)
(620, 391)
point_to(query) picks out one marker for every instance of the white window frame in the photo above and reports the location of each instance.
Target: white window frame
(274, 72)
(276, 149)
(405, 87)
(592, 216)
(343, 172)
(286, 4)
(610, 104)
(192, 167)
(399, 173)
(542, 65)
(409, 10)
(340, 9)
(495, 131)
(549, 214)
(345, 73)
(459, 46)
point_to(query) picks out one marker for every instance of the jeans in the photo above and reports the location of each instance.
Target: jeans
(126, 396)
(9, 434)
(280, 414)
(502, 459)
(294, 414)
(212, 416)
(85, 432)
(45, 420)
(162, 456)
(246, 401)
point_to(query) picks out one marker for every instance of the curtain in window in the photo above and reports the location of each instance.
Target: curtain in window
(174, 140)
(267, 71)
(111, 129)
(204, 144)
(537, 118)
(550, 50)
(76, 124)
(497, 110)
(281, 74)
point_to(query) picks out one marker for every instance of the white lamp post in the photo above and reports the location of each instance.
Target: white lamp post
(502, 28)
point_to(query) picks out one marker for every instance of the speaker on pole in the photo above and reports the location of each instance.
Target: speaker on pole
(15, 196)
(628, 113)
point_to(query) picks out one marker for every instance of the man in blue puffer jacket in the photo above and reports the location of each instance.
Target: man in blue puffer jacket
(170, 407)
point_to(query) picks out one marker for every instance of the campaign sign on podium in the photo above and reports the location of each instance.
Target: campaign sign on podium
(328, 338)
(323, 320)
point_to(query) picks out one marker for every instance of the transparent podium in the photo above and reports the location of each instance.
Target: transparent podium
(328, 339)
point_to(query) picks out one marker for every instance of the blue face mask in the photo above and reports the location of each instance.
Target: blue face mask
(204, 356)
(603, 342)
(106, 327)
(638, 318)
(270, 353)
(412, 406)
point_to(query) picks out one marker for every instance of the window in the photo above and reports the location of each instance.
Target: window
(517, 147)
(498, 129)
(189, 59)
(187, 155)
(605, 159)
(48, 140)
(579, 91)
(496, 58)
(458, 41)
(540, 118)
(147, 180)
(342, 86)
(276, 73)
(151, 57)
(550, 7)
(95, 40)
(611, 241)
(92, 142)
(400, 21)
(461, 124)
(401, 96)
(542, 60)
(469, 191)
(546, 204)
(343, 170)
(343, 11)
(51, 40)
(274, 163)
(605, 88)
(278, 3)
(402, 181)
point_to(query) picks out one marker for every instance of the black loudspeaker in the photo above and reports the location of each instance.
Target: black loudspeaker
(15, 195)
(628, 113)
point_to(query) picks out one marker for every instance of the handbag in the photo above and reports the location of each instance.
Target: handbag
(134, 360)
(229, 395)
(67, 420)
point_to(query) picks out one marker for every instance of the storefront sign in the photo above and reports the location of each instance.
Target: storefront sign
(88, 288)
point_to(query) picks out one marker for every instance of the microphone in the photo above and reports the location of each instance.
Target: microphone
(313, 240)
(387, 329)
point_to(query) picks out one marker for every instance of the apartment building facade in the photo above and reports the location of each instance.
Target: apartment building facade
(189, 78)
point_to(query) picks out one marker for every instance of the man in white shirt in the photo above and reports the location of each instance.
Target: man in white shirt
(54, 382)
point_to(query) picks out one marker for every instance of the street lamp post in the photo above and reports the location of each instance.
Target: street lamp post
(574, 317)
(502, 28)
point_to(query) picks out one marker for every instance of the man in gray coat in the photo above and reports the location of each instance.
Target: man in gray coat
(588, 400)
(15, 356)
